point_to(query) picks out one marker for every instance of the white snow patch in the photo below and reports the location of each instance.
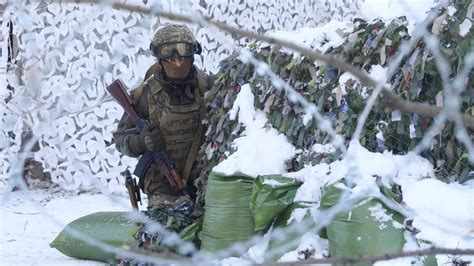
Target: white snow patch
(415, 11)
(451, 10)
(323, 148)
(309, 243)
(320, 38)
(379, 214)
(313, 178)
(297, 215)
(465, 27)
(444, 212)
(273, 183)
(260, 150)
(378, 73)
(256, 253)
(346, 77)
(306, 118)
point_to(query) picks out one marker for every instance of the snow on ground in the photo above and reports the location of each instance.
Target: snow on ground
(444, 213)
(30, 220)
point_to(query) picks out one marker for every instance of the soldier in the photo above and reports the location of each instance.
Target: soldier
(171, 98)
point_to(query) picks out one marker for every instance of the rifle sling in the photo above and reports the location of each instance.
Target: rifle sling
(188, 165)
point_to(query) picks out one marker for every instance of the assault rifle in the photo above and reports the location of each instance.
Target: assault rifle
(133, 189)
(160, 158)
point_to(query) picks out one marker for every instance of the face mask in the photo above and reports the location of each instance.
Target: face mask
(177, 68)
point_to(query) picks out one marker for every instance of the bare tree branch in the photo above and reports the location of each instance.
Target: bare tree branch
(373, 259)
(394, 101)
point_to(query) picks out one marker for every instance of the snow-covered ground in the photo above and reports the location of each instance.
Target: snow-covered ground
(30, 220)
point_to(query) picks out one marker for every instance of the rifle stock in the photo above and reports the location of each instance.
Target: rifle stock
(119, 92)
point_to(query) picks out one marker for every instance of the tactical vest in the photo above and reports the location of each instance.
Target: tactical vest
(177, 122)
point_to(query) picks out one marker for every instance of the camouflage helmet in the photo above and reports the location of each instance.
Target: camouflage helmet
(174, 34)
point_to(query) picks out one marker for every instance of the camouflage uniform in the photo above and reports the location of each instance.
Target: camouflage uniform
(173, 105)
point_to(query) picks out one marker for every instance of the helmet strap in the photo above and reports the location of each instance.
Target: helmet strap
(198, 48)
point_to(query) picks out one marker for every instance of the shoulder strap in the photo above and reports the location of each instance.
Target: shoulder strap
(152, 70)
(202, 82)
(188, 165)
(137, 94)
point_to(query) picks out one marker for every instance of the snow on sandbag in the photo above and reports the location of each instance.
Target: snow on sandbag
(228, 217)
(369, 228)
(107, 228)
(287, 232)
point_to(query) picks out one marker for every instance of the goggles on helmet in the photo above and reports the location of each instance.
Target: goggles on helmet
(175, 49)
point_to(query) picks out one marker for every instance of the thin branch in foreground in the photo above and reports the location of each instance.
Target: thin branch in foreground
(373, 259)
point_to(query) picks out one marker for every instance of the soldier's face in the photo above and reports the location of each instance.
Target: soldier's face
(177, 67)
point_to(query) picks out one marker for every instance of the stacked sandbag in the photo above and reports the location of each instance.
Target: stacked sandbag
(228, 216)
(239, 206)
(272, 196)
(368, 228)
(272, 205)
(112, 229)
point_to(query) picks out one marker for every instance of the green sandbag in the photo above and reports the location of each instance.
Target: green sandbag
(287, 240)
(357, 232)
(190, 232)
(272, 204)
(228, 217)
(112, 228)
(271, 195)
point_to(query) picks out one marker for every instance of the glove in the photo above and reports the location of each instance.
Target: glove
(150, 139)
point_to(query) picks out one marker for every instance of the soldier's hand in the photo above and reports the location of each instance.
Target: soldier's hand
(150, 139)
(153, 138)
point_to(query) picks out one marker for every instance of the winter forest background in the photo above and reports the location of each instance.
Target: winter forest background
(57, 57)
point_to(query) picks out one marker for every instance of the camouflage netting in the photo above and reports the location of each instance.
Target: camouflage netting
(375, 43)
(61, 56)
(180, 217)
